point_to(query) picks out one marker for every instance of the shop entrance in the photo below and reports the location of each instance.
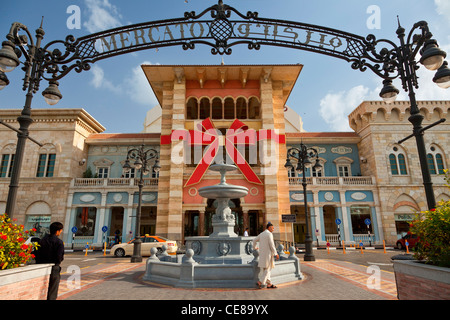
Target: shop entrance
(300, 224)
(116, 225)
(253, 222)
(148, 221)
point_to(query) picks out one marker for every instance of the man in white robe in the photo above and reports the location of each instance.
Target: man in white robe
(267, 254)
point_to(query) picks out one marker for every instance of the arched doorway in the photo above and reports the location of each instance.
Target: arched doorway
(38, 216)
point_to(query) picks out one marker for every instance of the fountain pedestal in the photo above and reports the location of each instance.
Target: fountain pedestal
(223, 245)
(222, 259)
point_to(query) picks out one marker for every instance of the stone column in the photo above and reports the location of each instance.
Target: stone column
(276, 184)
(246, 220)
(201, 223)
(101, 220)
(170, 186)
(345, 223)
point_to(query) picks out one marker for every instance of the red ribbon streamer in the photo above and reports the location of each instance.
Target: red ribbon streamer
(237, 134)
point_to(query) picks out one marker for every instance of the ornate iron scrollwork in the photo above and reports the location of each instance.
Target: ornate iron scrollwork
(221, 34)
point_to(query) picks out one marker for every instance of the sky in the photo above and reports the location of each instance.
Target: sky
(115, 92)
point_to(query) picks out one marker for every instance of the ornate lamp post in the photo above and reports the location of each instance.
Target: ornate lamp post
(37, 61)
(142, 160)
(400, 62)
(303, 156)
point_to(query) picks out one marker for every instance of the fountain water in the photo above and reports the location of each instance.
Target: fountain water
(222, 259)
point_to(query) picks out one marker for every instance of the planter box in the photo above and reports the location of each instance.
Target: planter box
(25, 283)
(419, 281)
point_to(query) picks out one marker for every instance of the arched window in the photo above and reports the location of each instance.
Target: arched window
(431, 165)
(192, 109)
(229, 108)
(205, 108)
(393, 163)
(435, 160)
(397, 162)
(217, 108)
(241, 108)
(253, 108)
(7, 161)
(46, 163)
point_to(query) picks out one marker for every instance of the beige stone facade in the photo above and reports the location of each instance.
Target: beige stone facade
(357, 183)
(173, 85)
(61, 132)
(380, 126)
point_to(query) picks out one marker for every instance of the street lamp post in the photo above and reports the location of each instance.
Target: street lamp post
(34, 67)
(400, 62)
(303, 155)
(142, 158)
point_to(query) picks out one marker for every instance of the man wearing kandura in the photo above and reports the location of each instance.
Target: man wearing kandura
(267, 254)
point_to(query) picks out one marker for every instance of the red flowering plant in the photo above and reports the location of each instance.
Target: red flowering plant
(433, 229)
(14, 252)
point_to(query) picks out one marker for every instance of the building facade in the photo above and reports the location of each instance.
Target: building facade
(368, 190)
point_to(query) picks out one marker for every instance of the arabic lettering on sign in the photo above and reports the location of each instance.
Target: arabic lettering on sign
(293, 35)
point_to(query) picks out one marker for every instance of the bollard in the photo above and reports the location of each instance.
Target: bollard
(384, 246)
(407, 247)
(328, 247)
(362, 252)
(87, 247)
(343, 247)
(104, 249)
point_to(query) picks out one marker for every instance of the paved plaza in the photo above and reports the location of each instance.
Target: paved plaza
(331, 277)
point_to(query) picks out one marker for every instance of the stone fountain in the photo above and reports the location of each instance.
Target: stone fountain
(223, 259)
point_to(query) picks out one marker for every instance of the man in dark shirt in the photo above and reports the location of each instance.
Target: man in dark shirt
(51, 250)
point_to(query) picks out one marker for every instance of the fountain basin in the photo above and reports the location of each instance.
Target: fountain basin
(226, 191)
(221, 249)
(223, 259)
(187, 273)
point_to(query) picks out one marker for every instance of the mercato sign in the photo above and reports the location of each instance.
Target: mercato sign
(176, 33)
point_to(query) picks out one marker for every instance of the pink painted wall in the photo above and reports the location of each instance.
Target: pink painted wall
(256, 192)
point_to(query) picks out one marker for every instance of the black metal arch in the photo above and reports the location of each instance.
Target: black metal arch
(221, 33)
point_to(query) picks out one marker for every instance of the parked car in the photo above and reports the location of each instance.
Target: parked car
(148, 242)
(412, 240)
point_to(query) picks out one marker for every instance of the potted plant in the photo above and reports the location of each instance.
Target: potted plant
(14, 252)
(17, 279)
(426, 275)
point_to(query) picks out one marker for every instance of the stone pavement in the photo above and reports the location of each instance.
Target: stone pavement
(325, 279)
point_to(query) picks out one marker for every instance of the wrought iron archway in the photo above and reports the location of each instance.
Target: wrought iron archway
(221, 33)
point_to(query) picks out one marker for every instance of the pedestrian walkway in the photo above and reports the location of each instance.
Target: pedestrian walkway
(385, 284)
(324, 279)
(70, 286)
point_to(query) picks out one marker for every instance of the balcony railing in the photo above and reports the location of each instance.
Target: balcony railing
(297, 181)
(113, 182)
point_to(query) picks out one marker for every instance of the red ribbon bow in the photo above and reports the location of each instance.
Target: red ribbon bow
(237, 134)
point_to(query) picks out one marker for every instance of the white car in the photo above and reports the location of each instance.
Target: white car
(148, 242)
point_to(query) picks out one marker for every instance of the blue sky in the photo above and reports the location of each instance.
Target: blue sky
(116, 93)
